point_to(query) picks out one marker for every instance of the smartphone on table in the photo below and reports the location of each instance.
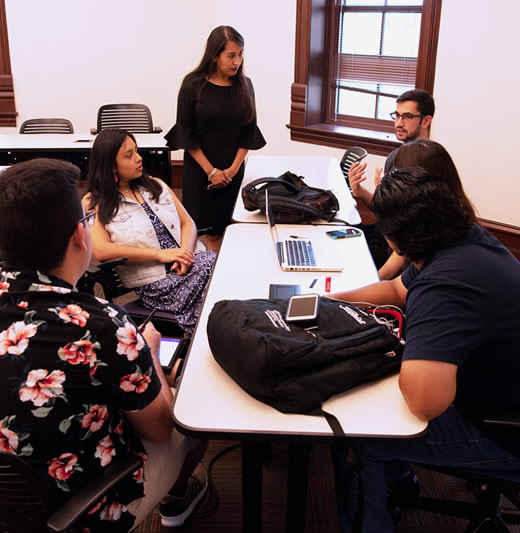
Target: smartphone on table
(344, 233)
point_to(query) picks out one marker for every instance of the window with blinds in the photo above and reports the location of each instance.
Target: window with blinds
(376, 50)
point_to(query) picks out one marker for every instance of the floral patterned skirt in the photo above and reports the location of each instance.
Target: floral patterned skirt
(181, 295)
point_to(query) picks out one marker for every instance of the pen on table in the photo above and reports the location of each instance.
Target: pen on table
(296, 237)
(313, 283)
(146, 320)
(327, 283)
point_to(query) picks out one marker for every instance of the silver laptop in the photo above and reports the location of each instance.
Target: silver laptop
(295, 254)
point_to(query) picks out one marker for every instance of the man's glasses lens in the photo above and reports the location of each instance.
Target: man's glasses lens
(404, 116)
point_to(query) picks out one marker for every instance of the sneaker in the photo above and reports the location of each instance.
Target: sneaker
(174, 511)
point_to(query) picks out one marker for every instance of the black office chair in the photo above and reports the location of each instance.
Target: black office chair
(28, 503)
(47, 125)
(485, 513)
(350, 156)
(136, 118)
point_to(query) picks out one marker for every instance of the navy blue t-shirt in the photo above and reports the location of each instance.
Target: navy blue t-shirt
(463, 307)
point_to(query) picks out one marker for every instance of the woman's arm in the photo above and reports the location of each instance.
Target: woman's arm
(237, 162)
(218, 179)
(188, 227)
(104, 249)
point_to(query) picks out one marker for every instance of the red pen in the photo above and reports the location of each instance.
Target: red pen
(327, 284)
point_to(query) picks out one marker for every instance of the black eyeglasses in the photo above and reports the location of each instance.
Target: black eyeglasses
(405, 116)
(89, 218)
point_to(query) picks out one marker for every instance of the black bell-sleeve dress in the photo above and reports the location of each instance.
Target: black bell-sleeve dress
(208, 118)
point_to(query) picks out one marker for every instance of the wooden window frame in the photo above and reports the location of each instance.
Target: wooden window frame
(310, 94)
(7, 104)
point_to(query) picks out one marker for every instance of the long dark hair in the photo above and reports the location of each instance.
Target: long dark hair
(215, 45)
(432, 156)
(103, 188)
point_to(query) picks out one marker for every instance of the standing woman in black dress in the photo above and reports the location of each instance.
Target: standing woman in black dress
(216, 126)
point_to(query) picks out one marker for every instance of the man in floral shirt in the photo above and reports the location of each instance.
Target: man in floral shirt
(79, 384)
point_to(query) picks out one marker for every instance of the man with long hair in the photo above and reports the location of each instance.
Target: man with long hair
(461, 293)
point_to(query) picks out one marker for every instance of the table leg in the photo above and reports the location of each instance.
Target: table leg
(297, 479)
(253, 457)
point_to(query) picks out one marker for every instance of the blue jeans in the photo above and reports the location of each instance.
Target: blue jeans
(451, 440)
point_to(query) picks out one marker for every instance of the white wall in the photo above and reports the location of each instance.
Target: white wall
(69, 58)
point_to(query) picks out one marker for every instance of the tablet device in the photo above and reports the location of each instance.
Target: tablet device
(283, 292)
(168, 351)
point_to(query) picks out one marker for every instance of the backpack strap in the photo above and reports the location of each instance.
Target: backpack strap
(259, 181)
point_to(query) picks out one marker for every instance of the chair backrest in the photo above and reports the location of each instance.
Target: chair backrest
(356, 153)
(47, 125)
(136, 118)
(25, 499)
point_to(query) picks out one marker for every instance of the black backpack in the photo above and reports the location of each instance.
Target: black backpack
(291, 200)
(295, 369)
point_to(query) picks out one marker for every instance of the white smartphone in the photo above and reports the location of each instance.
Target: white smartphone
(302, 307)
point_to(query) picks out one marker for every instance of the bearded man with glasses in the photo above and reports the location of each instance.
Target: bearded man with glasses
(412, 118)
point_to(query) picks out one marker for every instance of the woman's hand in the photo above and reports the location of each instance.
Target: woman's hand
(220, 179)
(181, 258)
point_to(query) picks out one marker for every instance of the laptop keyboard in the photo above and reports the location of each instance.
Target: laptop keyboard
(299, 253)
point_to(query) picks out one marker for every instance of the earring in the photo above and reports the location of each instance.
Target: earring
(116, 179)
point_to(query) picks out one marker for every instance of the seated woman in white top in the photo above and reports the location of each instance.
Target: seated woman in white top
(140, 217)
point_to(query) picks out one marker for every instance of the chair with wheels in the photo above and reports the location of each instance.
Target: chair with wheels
(350, 156)
(47, 125)
(485, 514)
(135, 118)
(28, 503)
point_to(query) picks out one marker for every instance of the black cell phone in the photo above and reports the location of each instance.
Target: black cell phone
(170, 349)
(302, 308)
(279, 291)
(342, 234)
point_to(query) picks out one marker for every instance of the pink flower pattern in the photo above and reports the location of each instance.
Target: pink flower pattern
(47, 394)
(41, 386)
(8, 440)
(15, 339)
(4, 287)
(74, 314)
(62, 467)
(129, 341)
(80, 352)
(95, 418)
(135, 382)
(112, 511)
(105, 451)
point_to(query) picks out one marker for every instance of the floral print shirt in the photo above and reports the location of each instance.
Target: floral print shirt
(70, 364)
